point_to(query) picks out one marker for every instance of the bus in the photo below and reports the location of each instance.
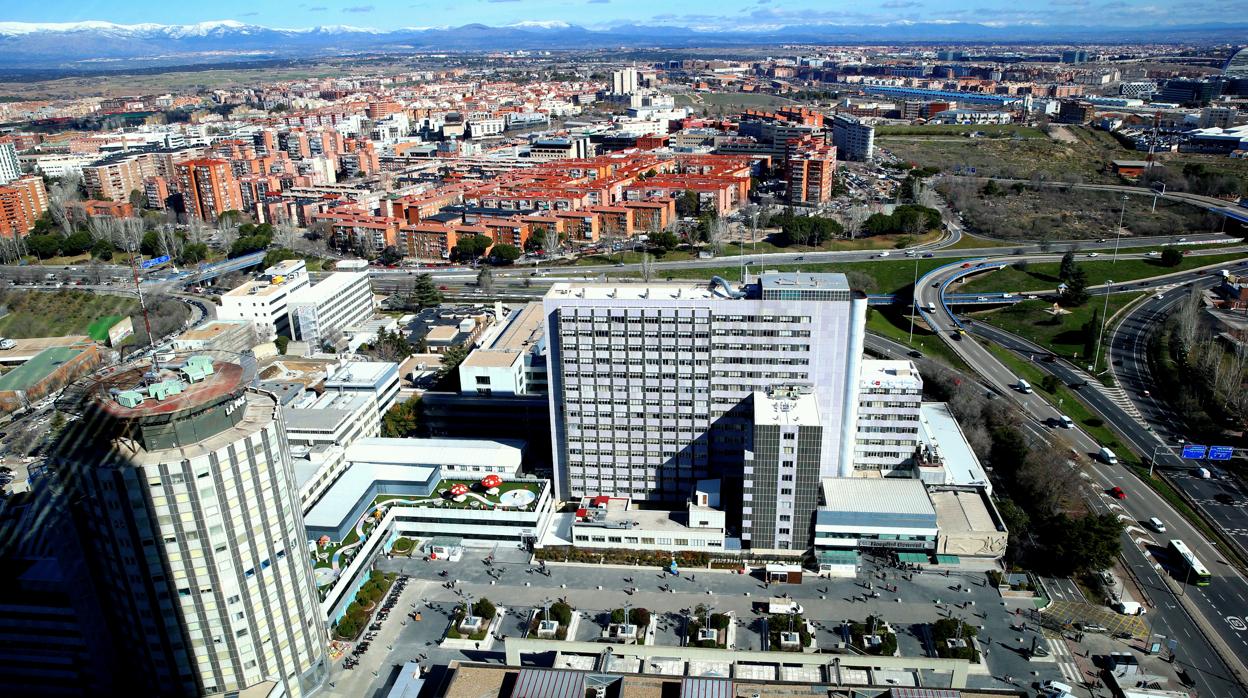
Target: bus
(1187, 565)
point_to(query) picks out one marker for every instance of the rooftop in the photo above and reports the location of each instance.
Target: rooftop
(889, 371)
(359, 372)
(786, 407)
(212, 330)
(525, 328)
(333, 285)
(962, 512)
(226, 378)
(600, 291)
(257, 288)
(861, 499)
(38, 367)
(939, 430)
(459, 452)
(355, 482)
(805, 280)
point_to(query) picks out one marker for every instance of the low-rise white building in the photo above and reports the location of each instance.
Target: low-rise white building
(513, 362)
(380, 379)
(331, 419)
(265, 301)
(319, 314)
(889, 514)
(613, 522)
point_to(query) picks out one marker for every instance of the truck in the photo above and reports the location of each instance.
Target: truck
(776, 606)
(1129, 608)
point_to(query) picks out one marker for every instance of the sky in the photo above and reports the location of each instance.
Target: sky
(707, 14)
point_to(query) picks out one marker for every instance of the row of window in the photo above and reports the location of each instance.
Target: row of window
(642, 540)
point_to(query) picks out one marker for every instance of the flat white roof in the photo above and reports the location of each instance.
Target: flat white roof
(889, 371)
(331, 286)
(939, 430)
(876, 496)
(454, 452)
(784, 409)
(345, 493)
(360, 372)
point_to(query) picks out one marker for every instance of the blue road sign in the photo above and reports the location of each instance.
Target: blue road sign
(1221, 452)
(1194, 451)
(154, 261)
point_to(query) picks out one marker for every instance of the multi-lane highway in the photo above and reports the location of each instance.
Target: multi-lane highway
(1206, 608)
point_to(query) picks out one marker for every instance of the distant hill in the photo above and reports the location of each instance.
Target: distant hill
(104, 45)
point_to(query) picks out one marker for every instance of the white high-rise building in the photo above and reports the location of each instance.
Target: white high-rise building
(624, 82)
(10, 167)
(854, 140)
(890, 394)
(186, 495)
(650, 384)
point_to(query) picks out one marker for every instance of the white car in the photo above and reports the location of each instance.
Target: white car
(1007, 295)
(1094, 254)
(1154, 253)
(981, 299)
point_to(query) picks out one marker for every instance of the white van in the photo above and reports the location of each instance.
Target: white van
(1024, 386)
(1156, 524)
(1108, 456)
(1204, 474)
(1051, 687)
(1066, 422)
(931, 307)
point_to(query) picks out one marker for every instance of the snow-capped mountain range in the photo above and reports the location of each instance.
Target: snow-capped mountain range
(105, 45)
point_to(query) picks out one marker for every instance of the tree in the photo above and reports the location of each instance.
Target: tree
(102, 250)
(854, 218)
(1090, 332)
(1171, 256)
(485, 279)
(504, 253)
(688, 204)
(136, 199)
(469, 248)
(43, 246)
(664, 241)
(390, 346)
(1086, 544)
(1067, 268)
(484, 609)
(150, 246)
(449, 369)
(424, 293)
(390, 256)
(281, 342)
(402, 420)
(76, 244)
(1076, 292)
(196, 252)
(273, 256)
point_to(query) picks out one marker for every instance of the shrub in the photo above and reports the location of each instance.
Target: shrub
(561, 612)
(402, 545)
(641, 617)
(484, 608)
(720, 621)
(347, 628)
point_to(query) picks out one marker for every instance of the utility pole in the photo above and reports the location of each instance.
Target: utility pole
(1118, 239)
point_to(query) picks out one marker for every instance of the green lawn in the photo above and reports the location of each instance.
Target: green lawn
(762, 246)
(891, 323)
(60, 313)
(1062, 334)
(98, 330)
(1043, 275)
(968, 241)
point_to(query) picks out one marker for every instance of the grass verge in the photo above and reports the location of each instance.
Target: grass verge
(889, 322)
(1044, 275)
(1061, 334)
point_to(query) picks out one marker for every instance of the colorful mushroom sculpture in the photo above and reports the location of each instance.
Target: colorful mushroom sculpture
(490, 483)
(459, 492)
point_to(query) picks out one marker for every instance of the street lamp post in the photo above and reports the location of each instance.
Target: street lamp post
(1118, 239)
(1096, 360)
(914, 300)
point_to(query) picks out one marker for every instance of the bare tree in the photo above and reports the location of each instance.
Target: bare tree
(854, 218)
(716, 234)
(647, 266)
(61, 197)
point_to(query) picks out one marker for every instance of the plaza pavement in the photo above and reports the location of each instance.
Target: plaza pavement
(593, 590)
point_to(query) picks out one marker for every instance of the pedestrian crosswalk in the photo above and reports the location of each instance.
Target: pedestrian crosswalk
(1065, 661)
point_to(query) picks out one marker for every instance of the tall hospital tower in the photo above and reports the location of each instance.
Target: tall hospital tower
(185, 499)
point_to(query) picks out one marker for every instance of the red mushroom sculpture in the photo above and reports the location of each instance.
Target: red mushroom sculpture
(491, 481)
(458, 491)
